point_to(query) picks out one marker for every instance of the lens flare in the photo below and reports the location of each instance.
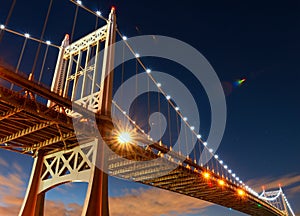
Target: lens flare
(124, 137)
(239, 82)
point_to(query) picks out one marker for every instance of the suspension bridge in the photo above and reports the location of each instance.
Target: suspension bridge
(71, 131)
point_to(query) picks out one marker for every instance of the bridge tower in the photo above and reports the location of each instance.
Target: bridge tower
(76, 76)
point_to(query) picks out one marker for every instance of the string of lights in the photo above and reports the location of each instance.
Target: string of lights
(158, 84)
(168, 98)
(177, 109)
(96, 13)
(27, 36)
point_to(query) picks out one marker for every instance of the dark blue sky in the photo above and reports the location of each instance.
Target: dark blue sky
(253, 39)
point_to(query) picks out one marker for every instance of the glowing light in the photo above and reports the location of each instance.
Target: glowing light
(124, 112)
(48, 42)
(158, 85)
(233, 175)
(176, 108)
(199, 136)
(206, 175)
(221, 182)
(185, 118)
(225, 166)
(241, 192)
(192, 128)
(211, 150)
(239, 82)
(216, 156)
(2, 26)
(221, 162)
(205, 143)
(79, 2)
(168, 97)
(148, 70)
(230, 171)
(137, 55)
(124, 38)
(113, 8)
(242, 80)
(27, 35)
(124, 137)
(98, 13)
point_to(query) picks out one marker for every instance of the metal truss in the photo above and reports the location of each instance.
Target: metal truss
(53, 140)
(89, 40)
(10, 112)
(68, 166)
(89, 102)
(26, 131)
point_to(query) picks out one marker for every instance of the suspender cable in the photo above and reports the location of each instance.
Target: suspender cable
(122, 74)
(169, 126)
(159, 119)
(148, 102)
(178, 132)
(41, 38)
(186, 142)
(43, 64)
(20, 59)
(8, 17)
(88, 10)
(195, 157)
(74, 23)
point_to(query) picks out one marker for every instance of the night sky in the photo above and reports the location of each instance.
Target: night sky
(256, 40)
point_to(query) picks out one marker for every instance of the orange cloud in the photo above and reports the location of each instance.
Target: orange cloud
(153, 202)
(291, 181)
(57, 208)
(135, 202)
(3, 163)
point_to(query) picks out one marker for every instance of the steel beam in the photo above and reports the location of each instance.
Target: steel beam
(52, 141)
(9, 113)
(25, 132)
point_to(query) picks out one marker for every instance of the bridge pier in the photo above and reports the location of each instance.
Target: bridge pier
(33, 204)
(96, 202)
(85, 163)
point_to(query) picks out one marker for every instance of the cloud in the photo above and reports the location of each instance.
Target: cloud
(3, 163)
(294, 190)
(134, 202)
(153, 202)
(11, 185)
(291, 182)
(58, 208)
(11, 193)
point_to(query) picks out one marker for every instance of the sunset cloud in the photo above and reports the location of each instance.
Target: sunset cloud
(57, 208)
(135, 202)
(3, 163)
(11, 193)
(152, 202)
(290, 183)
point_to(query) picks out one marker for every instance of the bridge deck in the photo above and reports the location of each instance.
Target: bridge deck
(27, 125)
